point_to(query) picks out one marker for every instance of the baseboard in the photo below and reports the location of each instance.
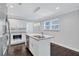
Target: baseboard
(17, 44)
(57, 50)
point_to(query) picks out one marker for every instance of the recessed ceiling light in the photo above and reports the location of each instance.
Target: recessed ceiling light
(57, 7)
(11, 6)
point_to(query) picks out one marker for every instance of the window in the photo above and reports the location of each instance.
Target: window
(55, 24)
(52, 24)
(46, 25)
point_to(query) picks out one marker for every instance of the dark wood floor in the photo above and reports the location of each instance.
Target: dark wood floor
(19, 50)
(56, 50)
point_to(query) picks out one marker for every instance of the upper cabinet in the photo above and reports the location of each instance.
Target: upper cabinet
(52, 24)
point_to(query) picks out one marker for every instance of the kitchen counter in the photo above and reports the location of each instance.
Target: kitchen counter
(38, 39)
(39, 46)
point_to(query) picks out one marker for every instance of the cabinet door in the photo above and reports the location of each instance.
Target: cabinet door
(44, 47)
(36, 47)
(31, 45)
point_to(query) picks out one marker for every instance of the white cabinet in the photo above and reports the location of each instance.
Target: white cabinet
(33, 46)
(39, 48)
(29, 27)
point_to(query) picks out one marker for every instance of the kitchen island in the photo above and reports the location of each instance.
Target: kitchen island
(39, 45)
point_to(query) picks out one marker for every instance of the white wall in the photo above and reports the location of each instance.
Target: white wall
(37, 27)
(69, 34)
(29, 27)
(3, 11)
(69, 31)
(1, 27)
(32, 27)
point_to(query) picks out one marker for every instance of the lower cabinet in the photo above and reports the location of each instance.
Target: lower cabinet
(39, 48)
(33, 46)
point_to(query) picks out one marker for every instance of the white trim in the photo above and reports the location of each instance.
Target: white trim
(66, 46)
(4, 50)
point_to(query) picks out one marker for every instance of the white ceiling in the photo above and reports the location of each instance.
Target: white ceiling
(26, 10)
